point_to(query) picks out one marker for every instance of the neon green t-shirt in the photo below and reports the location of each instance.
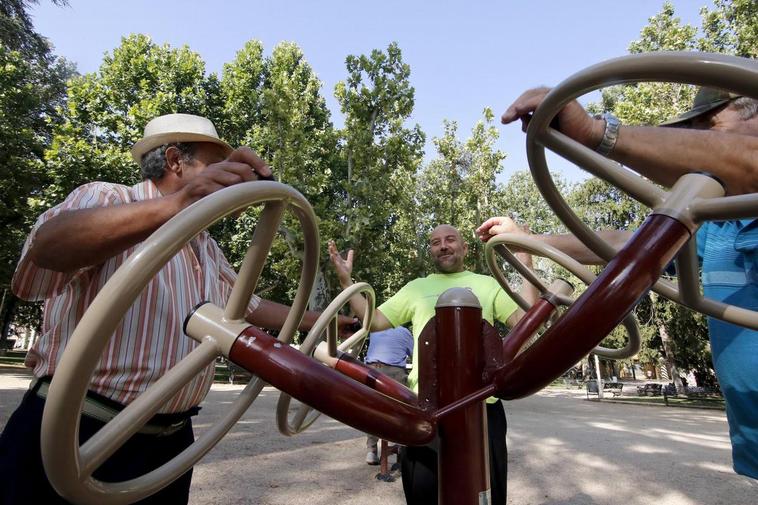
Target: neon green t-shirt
(415, 303)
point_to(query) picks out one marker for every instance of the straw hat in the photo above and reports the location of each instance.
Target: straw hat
(176, 128)
(705, 100)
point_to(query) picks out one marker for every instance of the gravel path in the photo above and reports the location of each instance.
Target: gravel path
(562, 450)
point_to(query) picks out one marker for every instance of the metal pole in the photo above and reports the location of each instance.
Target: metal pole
(463, 459)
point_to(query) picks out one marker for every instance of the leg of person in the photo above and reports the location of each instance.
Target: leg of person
(735, 358)
(399, 374)
(24, 479)
(372, 454)
(418, 467)
(496, 429)
(372, 450)
(143, 453)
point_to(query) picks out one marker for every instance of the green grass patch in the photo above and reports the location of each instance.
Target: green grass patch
(700, 403)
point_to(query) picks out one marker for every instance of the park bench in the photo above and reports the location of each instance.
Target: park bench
(706, 396)
(649, 390)
(614, 388)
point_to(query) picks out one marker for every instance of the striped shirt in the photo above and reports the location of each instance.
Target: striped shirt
(149, 340)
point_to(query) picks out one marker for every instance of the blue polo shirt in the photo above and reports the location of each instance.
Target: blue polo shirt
(729, 254)
(391, 347)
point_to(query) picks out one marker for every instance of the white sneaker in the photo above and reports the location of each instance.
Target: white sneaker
(372, 458)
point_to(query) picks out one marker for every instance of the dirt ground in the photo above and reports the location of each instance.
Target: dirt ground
(562, 450)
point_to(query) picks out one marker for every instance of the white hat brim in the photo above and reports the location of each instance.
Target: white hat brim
(151, 142)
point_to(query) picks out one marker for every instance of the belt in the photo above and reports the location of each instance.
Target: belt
(379, 364)
(98, 410)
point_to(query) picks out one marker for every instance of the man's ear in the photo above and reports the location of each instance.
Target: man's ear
(173, 161)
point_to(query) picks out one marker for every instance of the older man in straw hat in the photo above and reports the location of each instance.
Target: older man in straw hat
(70, 254)
(718, 135)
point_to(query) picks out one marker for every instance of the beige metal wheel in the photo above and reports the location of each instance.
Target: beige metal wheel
(327, 324)
(731, 73)
(69, 466)
(497, 245)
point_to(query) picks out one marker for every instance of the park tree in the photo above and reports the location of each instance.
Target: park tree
(32, 88)
(107, 111)
(520, 199)
(381, 156)
(79, 131)
(275, 106)
(731, 28)
(458, 187)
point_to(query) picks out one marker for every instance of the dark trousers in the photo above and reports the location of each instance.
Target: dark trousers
(24, 479)
(419, 464)
(397, 373)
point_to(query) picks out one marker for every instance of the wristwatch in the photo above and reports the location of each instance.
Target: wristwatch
(611, 134)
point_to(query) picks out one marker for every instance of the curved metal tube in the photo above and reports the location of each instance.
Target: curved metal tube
(732, 73)
(330, 392)
(68, 466)
(597, 311)
(498, 244)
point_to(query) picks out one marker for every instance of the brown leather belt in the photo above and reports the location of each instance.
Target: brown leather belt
(379, 364)
(104, 413)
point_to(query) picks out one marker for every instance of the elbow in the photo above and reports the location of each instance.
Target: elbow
(38, 256)
(44, 254)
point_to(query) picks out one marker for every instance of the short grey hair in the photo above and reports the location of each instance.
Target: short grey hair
(153, 163)
(746, 107)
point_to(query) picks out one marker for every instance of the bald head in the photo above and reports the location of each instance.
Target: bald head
(443, 229)
(448, 249)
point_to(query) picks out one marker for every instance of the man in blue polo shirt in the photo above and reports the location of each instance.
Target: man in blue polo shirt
(388, 352)
(719, 135)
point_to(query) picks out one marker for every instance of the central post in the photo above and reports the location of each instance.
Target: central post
(463, 451)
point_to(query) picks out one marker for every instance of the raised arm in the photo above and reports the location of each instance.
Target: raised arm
(565, 243)
(344, 269)
(271, 315)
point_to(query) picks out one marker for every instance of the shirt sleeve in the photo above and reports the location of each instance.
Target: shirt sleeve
(505, 306)
(32, 282)
(397, 308)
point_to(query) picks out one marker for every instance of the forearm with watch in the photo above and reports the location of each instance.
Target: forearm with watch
(663, 154)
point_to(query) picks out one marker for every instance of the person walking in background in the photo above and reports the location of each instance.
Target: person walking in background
(388, 352)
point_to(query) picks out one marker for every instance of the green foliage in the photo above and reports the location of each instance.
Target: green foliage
(731, 28)
(106, 112)
(458, 187)
(275, 106)
(32, 86)
(381, 157)
(521, 199)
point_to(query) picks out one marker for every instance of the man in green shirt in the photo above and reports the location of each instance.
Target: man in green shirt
(415, 303)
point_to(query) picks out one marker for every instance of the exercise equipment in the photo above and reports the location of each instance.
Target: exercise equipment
(462, 359)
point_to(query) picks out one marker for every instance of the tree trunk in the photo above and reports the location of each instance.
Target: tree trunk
(668, 356)
(7, 317)
(320, 294)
